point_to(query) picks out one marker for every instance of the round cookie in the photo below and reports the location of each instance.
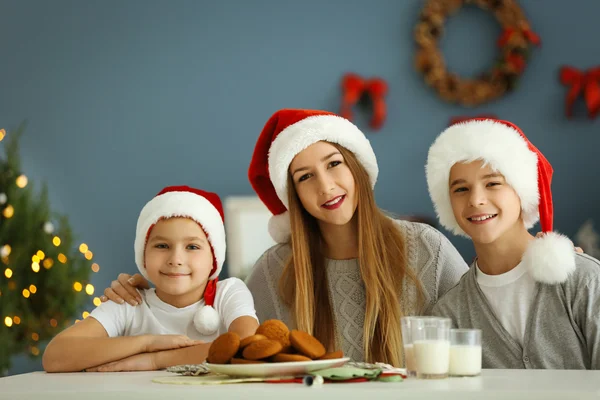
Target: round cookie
(282, 357)
(307, 344)
(262, 349)
(251, 339)
(276, 330)
(332, 356)
(223, 348)
(235, 360)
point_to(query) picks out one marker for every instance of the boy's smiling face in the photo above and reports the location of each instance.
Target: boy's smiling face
(484, 205)
(178, 260)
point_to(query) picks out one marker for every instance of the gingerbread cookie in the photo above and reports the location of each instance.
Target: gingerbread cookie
(223, 348)
(236, 360)
(275, 330)
(262, 349)
(282, 357)
(251, 339)
(332, 356)
(307, 344)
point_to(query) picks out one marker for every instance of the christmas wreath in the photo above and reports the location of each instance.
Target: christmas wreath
(515, 44)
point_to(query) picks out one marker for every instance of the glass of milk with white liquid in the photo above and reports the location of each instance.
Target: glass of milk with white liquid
(431, 346)
(409, 354)
(465, 352)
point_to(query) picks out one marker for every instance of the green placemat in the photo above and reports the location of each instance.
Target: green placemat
(345, 373)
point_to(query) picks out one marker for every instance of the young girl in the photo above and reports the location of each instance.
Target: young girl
(535, 299)
(180, 247)
(343, 271)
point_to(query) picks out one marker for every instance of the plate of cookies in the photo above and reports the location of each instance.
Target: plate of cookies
(273, 350)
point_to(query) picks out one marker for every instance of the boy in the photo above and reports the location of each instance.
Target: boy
(536, 300)
(180, 247)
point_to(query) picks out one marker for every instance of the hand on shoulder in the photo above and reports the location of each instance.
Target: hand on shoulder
(125, 289)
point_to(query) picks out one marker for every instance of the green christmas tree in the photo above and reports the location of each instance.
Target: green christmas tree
(44, 278)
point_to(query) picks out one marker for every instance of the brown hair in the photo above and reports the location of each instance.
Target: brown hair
(383, 268)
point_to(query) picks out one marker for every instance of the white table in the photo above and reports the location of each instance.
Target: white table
(492, 384)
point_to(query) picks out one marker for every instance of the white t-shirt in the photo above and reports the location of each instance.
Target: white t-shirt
(510, 295)
(155, 317)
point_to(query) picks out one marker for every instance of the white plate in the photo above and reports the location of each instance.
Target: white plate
(276, 369)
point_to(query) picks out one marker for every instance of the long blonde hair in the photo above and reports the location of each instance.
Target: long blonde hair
(383, 268)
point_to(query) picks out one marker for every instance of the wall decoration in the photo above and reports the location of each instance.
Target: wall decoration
(462, 118)
(370, 92)
(581, 82)
(515, 44)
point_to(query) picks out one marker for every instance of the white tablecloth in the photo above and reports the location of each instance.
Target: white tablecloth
(492, 384)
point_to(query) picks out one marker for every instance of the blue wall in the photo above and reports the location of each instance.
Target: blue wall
(125, 97)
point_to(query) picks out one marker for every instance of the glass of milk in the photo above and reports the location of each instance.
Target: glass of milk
(409, 354)
(431, 346)
(465, 352)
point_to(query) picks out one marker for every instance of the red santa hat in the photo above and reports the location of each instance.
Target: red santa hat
(287, 133)
(206, 209)
(504, 147)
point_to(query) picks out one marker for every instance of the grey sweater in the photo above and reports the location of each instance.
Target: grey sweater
(436, 262)
(563, 327)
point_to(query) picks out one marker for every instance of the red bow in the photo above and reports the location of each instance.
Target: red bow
(456, 120)
(531, 36)
(354, 87)
(587, 82)
(516, 61)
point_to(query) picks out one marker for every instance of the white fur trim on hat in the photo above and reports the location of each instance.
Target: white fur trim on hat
(206, 320)
(550, 259)
(280, 227)
(297, 137)
(181, 204)
(499, 146)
